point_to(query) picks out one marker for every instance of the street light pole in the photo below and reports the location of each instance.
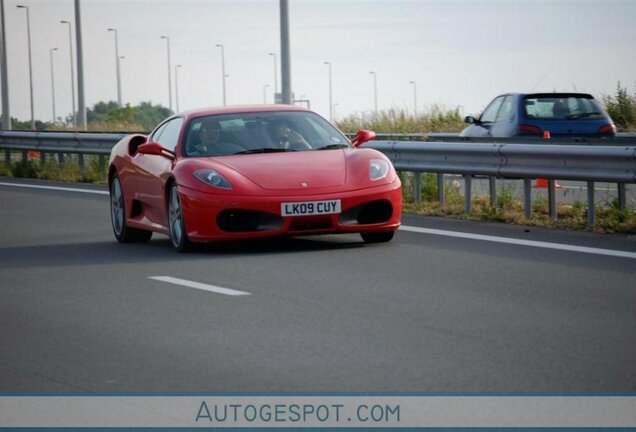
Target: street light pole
(414, 98)
(285, 54)
(223, 70)
(79, 44)
(176, 84)
(53, 84)
(169, 73)
(375, 91)
(330, 93)
(265, 87)
(121, 81)
(30, 63)
(70, 51)
(275, 75)
(6, 115)
(114, 30)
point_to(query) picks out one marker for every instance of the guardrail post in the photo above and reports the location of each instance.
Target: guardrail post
(60, 159)
(590, 205)
(80, 161)
(468, 180)
(25, 156)
(492, 184)
(7, 155)
(42, 157)
(417, 188)
(527, 197)
(552, 199)
(440, 188)
(622, 200)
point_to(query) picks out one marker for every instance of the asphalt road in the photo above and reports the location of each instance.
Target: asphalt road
(424, 313)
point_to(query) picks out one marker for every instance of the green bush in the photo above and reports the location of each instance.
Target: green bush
(25, 169)
(5, 169)
(94, 170)
(622, 108)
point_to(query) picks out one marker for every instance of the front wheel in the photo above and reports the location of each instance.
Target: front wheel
(377, 237)
(178, 234)
(122, 231)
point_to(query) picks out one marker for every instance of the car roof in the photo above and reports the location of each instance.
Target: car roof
(550, 94)
(238, 109)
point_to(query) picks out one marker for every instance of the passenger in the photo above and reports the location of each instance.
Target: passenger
(561, 109)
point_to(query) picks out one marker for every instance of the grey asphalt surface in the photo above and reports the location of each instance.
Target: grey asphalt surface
(423, 313)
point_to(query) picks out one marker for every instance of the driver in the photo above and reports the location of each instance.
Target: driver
(288, 138)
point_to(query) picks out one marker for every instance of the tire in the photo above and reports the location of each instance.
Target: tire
(377, 237)
(178, 234)
(123, 233)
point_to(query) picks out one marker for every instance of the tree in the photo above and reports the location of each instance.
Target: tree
(622, 108)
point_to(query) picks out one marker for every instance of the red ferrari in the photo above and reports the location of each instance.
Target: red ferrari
(244, 172)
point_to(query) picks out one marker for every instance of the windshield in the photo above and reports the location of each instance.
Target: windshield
(562, 107)
(263, 132)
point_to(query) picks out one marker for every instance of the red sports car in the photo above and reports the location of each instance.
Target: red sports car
(244, 172)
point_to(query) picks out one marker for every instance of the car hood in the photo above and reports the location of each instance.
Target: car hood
(303, 169)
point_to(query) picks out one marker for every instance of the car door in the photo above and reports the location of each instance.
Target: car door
(153, 172)
(487, 120)
(504, 124)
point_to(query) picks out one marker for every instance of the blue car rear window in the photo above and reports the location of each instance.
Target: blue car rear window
(562, 107)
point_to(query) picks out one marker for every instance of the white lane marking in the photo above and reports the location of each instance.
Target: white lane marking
(58, 188)
(532, 243)
(197, 285)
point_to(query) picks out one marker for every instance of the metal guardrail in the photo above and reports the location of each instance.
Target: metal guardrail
(585, 163)
(615, 164)
(582, 162)
(60, 142)
(621, 138)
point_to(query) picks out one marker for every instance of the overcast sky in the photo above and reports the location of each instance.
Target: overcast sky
(459, 53)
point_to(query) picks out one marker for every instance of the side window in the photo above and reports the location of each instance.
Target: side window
(169, 135)
(155, 136)
(490, 113)
(506, 111)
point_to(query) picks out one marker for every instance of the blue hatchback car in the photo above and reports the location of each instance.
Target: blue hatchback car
(560, 114)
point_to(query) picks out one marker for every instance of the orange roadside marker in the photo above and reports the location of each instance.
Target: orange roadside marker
(542, 183)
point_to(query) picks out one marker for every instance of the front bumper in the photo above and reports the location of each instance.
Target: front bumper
(210, 217)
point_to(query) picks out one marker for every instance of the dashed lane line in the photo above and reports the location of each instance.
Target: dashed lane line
(198, 285)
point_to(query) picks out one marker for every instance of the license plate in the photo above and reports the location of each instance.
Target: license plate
(310, 208)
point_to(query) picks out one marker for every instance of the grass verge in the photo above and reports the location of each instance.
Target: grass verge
(507, 209)
(93, 169)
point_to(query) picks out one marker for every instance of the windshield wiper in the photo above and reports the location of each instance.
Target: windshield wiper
(265, 150)
(582, 115)
(332, 146)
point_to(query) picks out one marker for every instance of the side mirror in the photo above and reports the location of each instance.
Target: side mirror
(156, 149)
(361, 137)
(470, 120)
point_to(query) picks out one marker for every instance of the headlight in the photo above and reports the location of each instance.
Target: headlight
(378, 169)
(212, 178)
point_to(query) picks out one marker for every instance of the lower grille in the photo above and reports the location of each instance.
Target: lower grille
(368, 213)
(237, 220)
